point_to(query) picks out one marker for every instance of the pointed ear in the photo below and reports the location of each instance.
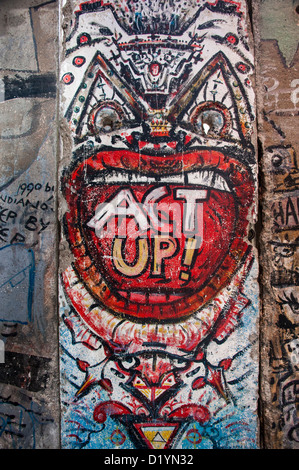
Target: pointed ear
(101, 84)
(232, 89)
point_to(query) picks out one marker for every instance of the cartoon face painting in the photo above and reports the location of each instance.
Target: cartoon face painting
(160, 199)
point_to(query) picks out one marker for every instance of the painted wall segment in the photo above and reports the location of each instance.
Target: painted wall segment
(159, 298)
(278, 69)
(29, 392)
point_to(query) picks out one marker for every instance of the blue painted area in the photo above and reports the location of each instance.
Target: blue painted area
(17, 278)
(20, 425)
(232, 425)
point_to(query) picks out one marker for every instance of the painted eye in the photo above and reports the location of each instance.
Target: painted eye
(179, 363)
(286, 251)
(295, 308)
(277, 160)
(169, 381)
(106, 117)
(211, 119)
(129, 362)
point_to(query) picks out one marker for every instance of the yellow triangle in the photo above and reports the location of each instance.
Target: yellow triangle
(146, 392)
(158, 392)
(158, 437)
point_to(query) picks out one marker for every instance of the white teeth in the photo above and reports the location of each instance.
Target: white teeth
(209, 179)
(175, 179)
(201, 177)
(136, 178)
(206, 178)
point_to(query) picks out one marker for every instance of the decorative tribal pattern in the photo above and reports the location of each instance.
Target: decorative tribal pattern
(159, 305)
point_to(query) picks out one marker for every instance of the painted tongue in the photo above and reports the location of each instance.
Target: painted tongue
(155, 244)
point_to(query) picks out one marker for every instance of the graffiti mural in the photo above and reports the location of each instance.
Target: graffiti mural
(278, 96)
(284, 284)
(158, 295)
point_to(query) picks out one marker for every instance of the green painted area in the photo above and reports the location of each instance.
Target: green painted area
(280, 21)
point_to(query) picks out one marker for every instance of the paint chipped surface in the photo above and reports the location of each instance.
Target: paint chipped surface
(159, 305)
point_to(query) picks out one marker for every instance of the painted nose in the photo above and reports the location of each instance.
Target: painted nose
(153, 369)
(154, 391)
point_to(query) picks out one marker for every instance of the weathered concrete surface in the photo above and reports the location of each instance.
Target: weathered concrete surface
(29, 396)
(277, 56)
(159, 330)
(29, 151)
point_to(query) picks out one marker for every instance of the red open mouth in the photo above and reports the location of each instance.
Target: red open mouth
(156, 238)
